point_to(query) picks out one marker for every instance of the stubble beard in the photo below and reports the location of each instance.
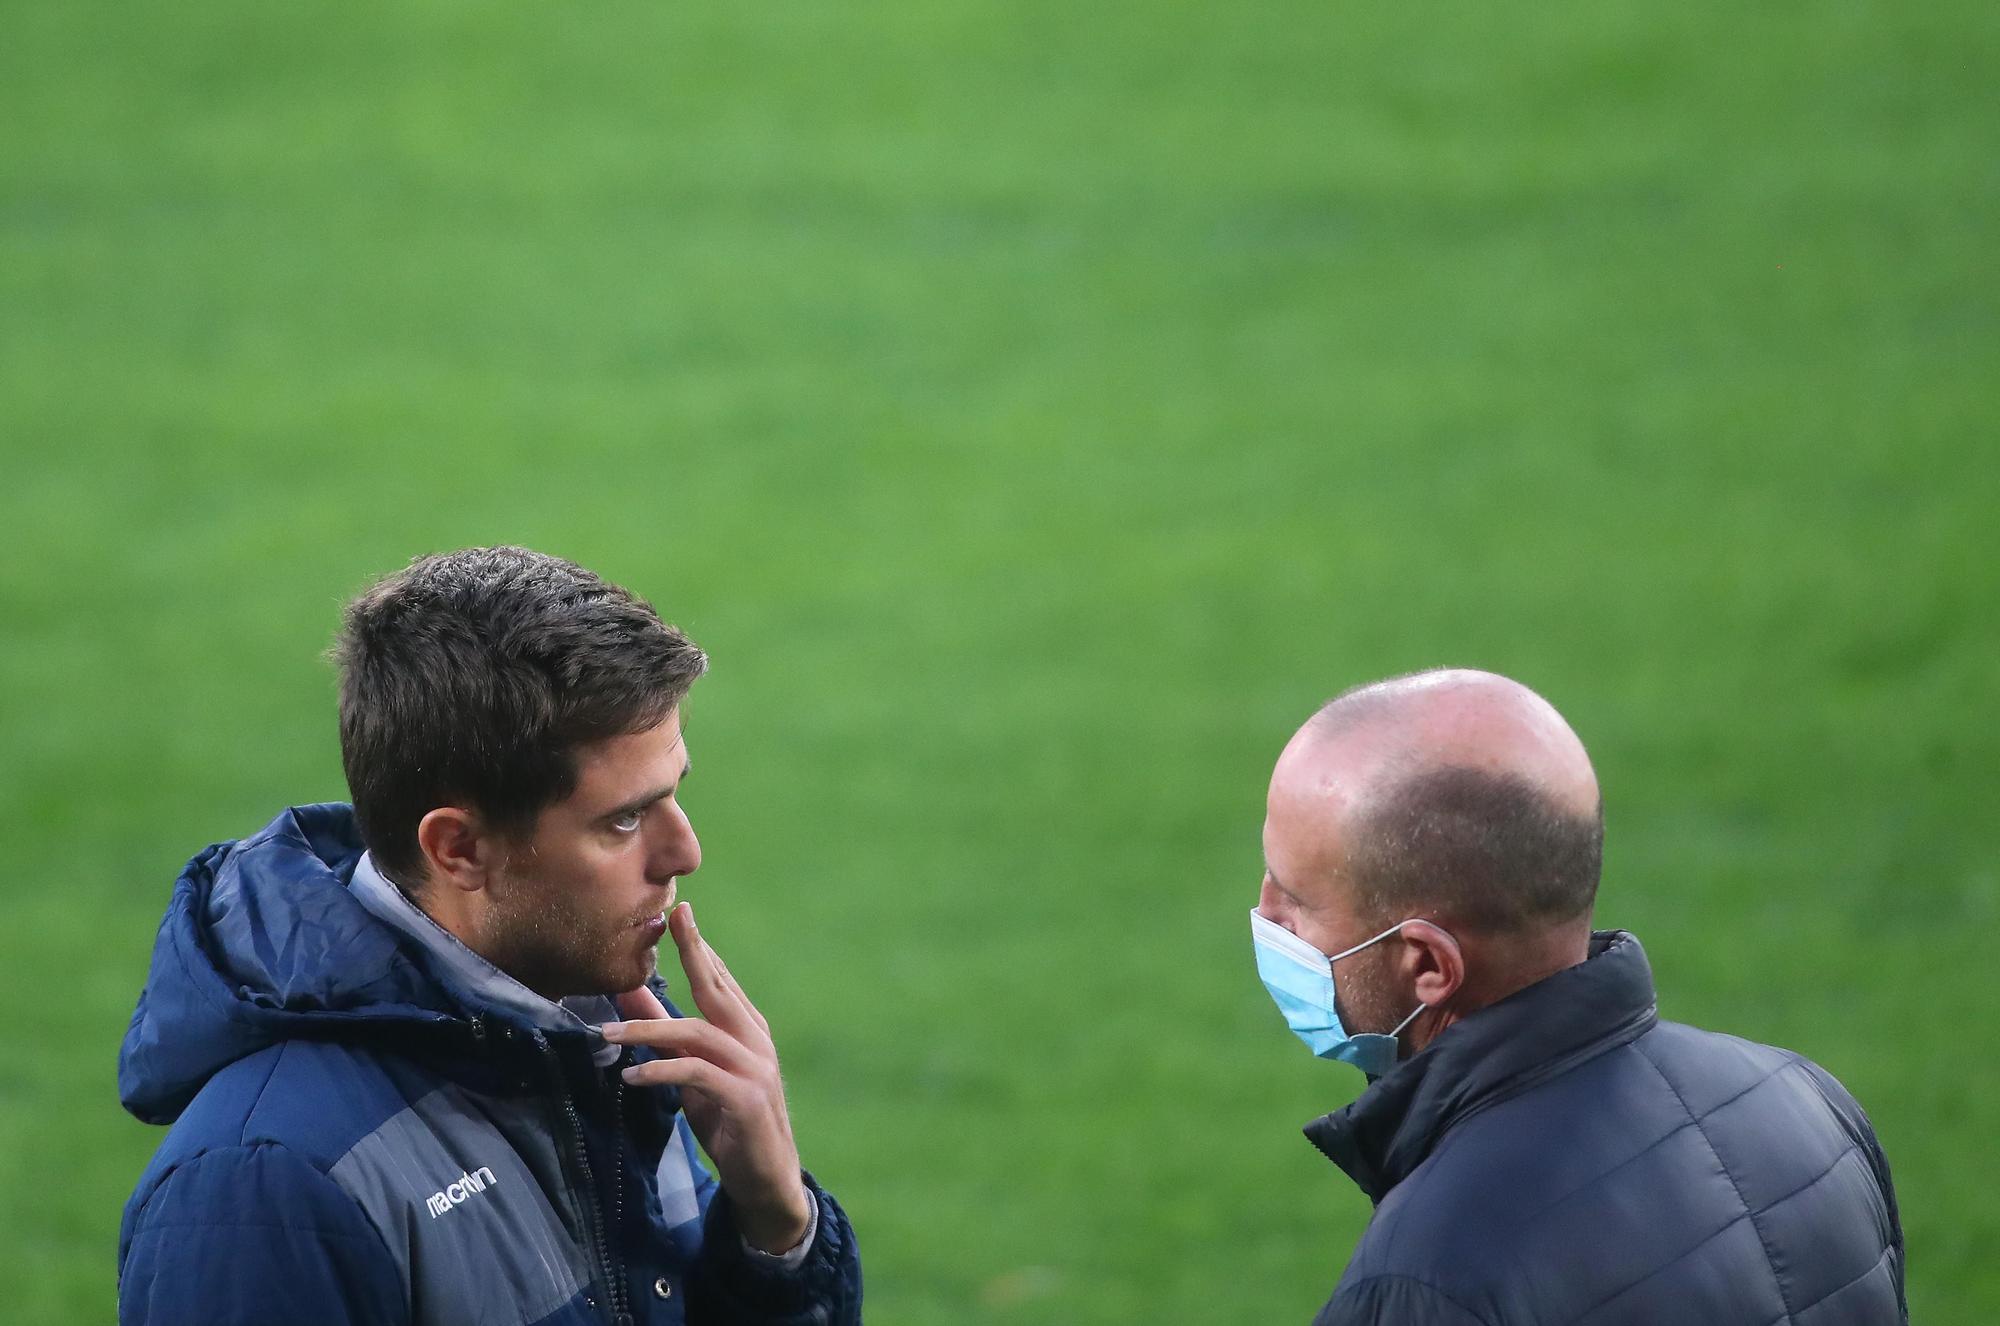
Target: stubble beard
(1362, 1003)
(538, 936)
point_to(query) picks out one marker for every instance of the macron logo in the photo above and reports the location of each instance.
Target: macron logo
(454, 1193)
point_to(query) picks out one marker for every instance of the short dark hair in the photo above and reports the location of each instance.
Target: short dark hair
(1490, 851)
(473, 677)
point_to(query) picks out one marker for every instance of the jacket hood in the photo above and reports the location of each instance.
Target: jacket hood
(262, 942)
(1503, 1049)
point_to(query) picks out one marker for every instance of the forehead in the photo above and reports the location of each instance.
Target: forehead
(1303, 812)
(614, 770)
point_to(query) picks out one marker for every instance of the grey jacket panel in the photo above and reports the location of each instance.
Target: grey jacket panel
(467, 1191)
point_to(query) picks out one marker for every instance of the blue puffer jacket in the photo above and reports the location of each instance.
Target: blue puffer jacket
(1563, 1156)
(359, 1138)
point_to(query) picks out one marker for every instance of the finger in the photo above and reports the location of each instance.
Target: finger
(729, 983)
(697, 1074)
(687, 945)
(724, 980)
(717, 1002)
(641, 1005)
(687, 1037)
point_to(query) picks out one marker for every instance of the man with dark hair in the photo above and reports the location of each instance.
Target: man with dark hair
(1539, 1146)
(416, 1054)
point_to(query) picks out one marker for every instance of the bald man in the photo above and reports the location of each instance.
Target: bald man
(1540, 1147)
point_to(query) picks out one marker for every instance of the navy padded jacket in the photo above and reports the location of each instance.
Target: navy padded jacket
(358, 1140)
(1563, 1156)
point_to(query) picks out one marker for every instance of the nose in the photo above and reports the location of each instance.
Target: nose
(676, 849)
(1270, 902)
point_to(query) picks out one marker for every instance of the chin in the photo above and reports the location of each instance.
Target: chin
(646, 971)
(630, 976)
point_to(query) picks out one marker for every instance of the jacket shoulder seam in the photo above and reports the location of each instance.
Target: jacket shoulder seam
(242, 1143)
(243, 1139)
(232, 1222)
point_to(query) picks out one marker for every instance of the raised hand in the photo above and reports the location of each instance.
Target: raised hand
(727, 1069)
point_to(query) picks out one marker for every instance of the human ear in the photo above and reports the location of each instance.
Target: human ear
(1435, 963)
(456, 847)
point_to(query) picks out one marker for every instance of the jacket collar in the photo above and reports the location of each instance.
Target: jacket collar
(1501, 1050)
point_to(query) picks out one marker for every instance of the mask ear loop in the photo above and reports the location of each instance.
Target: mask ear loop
(1450, 938)
(1346, 952)
(1414, 1014)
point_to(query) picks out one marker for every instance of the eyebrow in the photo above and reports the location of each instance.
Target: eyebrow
(1279, 884)
(639, 803)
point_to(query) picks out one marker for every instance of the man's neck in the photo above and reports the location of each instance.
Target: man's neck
(443, 905)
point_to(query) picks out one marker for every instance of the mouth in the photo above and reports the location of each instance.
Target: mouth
(654, 924)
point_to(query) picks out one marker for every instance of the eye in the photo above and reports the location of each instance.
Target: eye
(627, 822)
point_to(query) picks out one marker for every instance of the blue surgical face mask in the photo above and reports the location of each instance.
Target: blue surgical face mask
(1300, 979)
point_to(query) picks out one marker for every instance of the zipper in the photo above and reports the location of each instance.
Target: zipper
(618, 1181)
(614, 1279)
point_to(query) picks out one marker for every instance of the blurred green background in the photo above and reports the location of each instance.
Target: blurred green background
(1036, 409)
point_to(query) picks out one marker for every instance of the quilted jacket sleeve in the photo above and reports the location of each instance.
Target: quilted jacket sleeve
(1855, 1120)
(730, 1286)
(250, 1235)
(1392, 1300)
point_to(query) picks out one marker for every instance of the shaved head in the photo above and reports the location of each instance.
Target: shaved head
(1455, 794)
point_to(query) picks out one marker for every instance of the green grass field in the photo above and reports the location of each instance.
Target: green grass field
(1036, 410)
